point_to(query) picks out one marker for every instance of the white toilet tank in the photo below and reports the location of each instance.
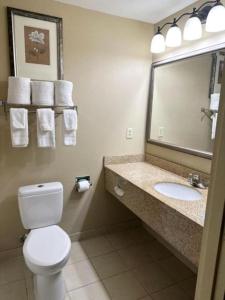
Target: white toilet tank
(40, 205)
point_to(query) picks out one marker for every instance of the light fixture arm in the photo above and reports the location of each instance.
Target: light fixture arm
(194, 12)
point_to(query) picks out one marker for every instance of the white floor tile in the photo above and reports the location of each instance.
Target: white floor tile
(136, 255)
(77, 253)
(124, 287)
(108, 265)
(171, 293)
(13, 291)
(11, 270)
(158, 251)
(95, 291)
(96, 246)
(127, 238)
(176, 269)
(153, 277)
(79, 274)
(188, 286)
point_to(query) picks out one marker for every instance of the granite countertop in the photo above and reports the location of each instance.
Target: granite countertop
(145, 176)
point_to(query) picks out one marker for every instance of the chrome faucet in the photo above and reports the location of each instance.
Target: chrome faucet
(196, 181)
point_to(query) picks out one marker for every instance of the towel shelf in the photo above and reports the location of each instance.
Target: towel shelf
(208, 112)
(33, 108)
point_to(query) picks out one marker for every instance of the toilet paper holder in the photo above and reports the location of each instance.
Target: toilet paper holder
(81, 178)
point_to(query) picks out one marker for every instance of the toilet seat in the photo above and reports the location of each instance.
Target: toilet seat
(46, 250)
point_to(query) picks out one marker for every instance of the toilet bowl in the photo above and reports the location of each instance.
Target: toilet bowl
(46, 251)
(47, 247)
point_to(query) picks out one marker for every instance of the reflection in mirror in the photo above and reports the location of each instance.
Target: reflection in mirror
(184, 104)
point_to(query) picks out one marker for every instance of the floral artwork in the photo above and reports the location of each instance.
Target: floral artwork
(37, 45)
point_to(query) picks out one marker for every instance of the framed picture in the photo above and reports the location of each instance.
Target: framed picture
(35, 45)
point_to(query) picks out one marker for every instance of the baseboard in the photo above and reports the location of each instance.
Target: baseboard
(105, 230)
(18, 252)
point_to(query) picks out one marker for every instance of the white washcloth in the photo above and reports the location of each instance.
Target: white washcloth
(42, 93)
(214, 125)
(19, 127)
(46, 128)
(18, 90)
(63, 93)
(70, 127)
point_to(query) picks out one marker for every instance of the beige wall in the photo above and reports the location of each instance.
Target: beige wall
(208, 40)
(108, 60)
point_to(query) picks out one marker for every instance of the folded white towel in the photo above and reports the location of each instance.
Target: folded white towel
(19, 127)
(42, 93)
(70, 126)
(63, 93)
(46, 128)
(18, 90)
(214, 101)
(214, 125)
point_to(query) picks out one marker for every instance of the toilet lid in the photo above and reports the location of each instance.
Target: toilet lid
(47, 246)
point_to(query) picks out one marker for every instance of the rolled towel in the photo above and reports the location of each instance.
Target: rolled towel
(19, 127)
(18, 90)
(63, 93)
(42, 93)
(70, 127)
(46, 128)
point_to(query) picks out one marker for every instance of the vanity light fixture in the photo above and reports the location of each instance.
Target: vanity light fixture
(193, 27)
(216, 18)
(174, 35)
(158, 44)
(213, 12)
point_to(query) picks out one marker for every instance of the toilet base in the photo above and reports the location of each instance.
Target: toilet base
(49, 287)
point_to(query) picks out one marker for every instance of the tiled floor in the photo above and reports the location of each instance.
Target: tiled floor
(127, 265)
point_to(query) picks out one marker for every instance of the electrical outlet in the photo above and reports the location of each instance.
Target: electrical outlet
(161, 132)
(130, 133)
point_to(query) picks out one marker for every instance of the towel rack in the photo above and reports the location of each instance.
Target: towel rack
(33, 108)
(208, 112)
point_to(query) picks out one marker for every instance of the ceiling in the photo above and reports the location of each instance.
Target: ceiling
(151, 11)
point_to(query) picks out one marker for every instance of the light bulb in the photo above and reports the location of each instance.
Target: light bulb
(216, 18)
(173, 36)
(192, 29)
(158, 43)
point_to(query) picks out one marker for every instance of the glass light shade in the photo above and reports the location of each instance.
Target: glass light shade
(216, 19)
(158, 43)
(192, 29)
(173, 36)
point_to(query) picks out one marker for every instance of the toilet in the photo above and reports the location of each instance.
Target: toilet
(47, 247)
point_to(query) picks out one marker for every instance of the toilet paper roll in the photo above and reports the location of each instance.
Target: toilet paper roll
(83, 186)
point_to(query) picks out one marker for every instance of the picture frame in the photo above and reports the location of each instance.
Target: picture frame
(40, 54)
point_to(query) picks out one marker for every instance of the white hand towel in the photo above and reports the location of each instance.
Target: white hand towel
(18, 90)
(19, 127)
(63, 93)
(46, 128)
(42, 93)
(70, 127)
(214, 124)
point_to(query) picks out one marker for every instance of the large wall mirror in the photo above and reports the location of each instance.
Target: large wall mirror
(184, 99)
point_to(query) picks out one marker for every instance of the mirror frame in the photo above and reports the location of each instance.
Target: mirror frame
(204, 154)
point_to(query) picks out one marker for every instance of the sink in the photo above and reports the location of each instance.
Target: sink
(178, 191)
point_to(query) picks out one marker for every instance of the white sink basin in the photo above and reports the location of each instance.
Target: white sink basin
(178, 191)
